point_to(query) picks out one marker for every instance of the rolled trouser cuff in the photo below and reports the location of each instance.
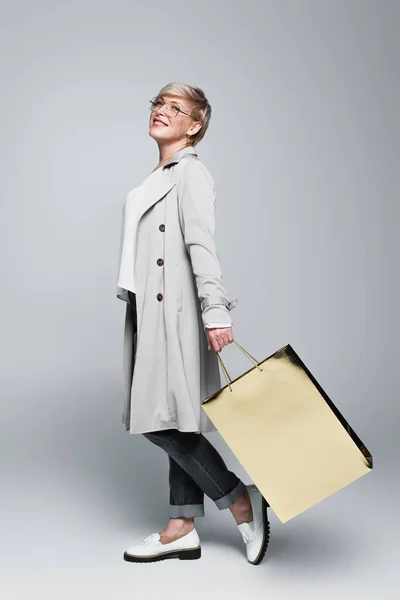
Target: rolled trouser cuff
(230, 498)
(177, 511)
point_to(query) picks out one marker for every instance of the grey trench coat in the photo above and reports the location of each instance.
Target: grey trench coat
(167, 367)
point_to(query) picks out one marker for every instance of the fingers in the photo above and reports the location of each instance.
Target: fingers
(219, 337)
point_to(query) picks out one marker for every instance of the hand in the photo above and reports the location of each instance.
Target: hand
(218, 337)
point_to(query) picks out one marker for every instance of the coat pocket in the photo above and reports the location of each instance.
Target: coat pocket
(177, 287)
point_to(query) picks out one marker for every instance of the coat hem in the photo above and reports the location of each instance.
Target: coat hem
(165, 429)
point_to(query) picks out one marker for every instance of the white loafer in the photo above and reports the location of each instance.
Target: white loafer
(151, 549)
(256, 534)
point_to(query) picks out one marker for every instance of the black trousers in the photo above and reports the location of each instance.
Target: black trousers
(195, 469)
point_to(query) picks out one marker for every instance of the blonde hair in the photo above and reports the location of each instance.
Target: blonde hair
(201, 108)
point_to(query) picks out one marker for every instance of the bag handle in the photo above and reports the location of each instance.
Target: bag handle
(224, 369)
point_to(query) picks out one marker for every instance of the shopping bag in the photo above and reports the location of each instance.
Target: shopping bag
(287, 433)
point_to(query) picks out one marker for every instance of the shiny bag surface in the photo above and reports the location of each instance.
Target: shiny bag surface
(287, 433)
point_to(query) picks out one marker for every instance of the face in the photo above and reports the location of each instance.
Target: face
(164, 127)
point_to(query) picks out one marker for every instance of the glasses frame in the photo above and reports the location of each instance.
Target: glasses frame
(152, 107)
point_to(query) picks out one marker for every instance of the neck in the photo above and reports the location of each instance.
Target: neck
(168, 150)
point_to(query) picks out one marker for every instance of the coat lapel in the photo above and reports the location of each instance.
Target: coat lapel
(158, 186)
(160, 183)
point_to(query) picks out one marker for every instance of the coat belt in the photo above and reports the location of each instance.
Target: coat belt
(219, 300)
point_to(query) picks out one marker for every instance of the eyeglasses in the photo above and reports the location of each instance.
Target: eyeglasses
(171, 108)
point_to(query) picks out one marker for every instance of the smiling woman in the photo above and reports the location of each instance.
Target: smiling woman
(177, 318)
(185, 111)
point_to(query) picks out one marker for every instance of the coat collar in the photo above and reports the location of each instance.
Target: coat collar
(175, 158)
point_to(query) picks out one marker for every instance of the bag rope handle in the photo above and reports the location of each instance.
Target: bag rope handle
(224, 369)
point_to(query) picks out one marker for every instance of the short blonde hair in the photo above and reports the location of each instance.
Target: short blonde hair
(201, 108)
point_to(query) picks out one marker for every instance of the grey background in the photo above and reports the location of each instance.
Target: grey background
(305, 97)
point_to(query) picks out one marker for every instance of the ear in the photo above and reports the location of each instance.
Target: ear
(196, 127)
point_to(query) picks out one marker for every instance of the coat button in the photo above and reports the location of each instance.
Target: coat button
(159, 297)
(161, 227)
(160, 262)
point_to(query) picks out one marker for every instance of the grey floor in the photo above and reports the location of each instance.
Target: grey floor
(70, 508)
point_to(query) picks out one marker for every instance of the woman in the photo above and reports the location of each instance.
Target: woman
(177, 318)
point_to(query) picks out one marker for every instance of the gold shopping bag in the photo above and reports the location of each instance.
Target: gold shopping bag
(288, 435)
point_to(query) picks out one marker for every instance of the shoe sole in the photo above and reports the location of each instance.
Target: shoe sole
(190, 554)
(266, 536)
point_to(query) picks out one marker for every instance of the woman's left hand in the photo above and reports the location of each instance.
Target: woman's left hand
(219, 337)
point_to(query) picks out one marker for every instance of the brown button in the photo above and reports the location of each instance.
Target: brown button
(160, 262)
(161, 227)
(159, 297)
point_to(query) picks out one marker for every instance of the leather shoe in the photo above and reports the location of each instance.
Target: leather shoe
(151, 549)
(256, 533)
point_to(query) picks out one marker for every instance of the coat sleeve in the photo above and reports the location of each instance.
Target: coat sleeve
(196, 205)
(121, 293)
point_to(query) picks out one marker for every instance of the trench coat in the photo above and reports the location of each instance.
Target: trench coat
(167, 367)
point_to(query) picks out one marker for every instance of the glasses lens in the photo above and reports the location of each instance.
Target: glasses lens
(154, 103)
(170, 109)
(174, 110)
